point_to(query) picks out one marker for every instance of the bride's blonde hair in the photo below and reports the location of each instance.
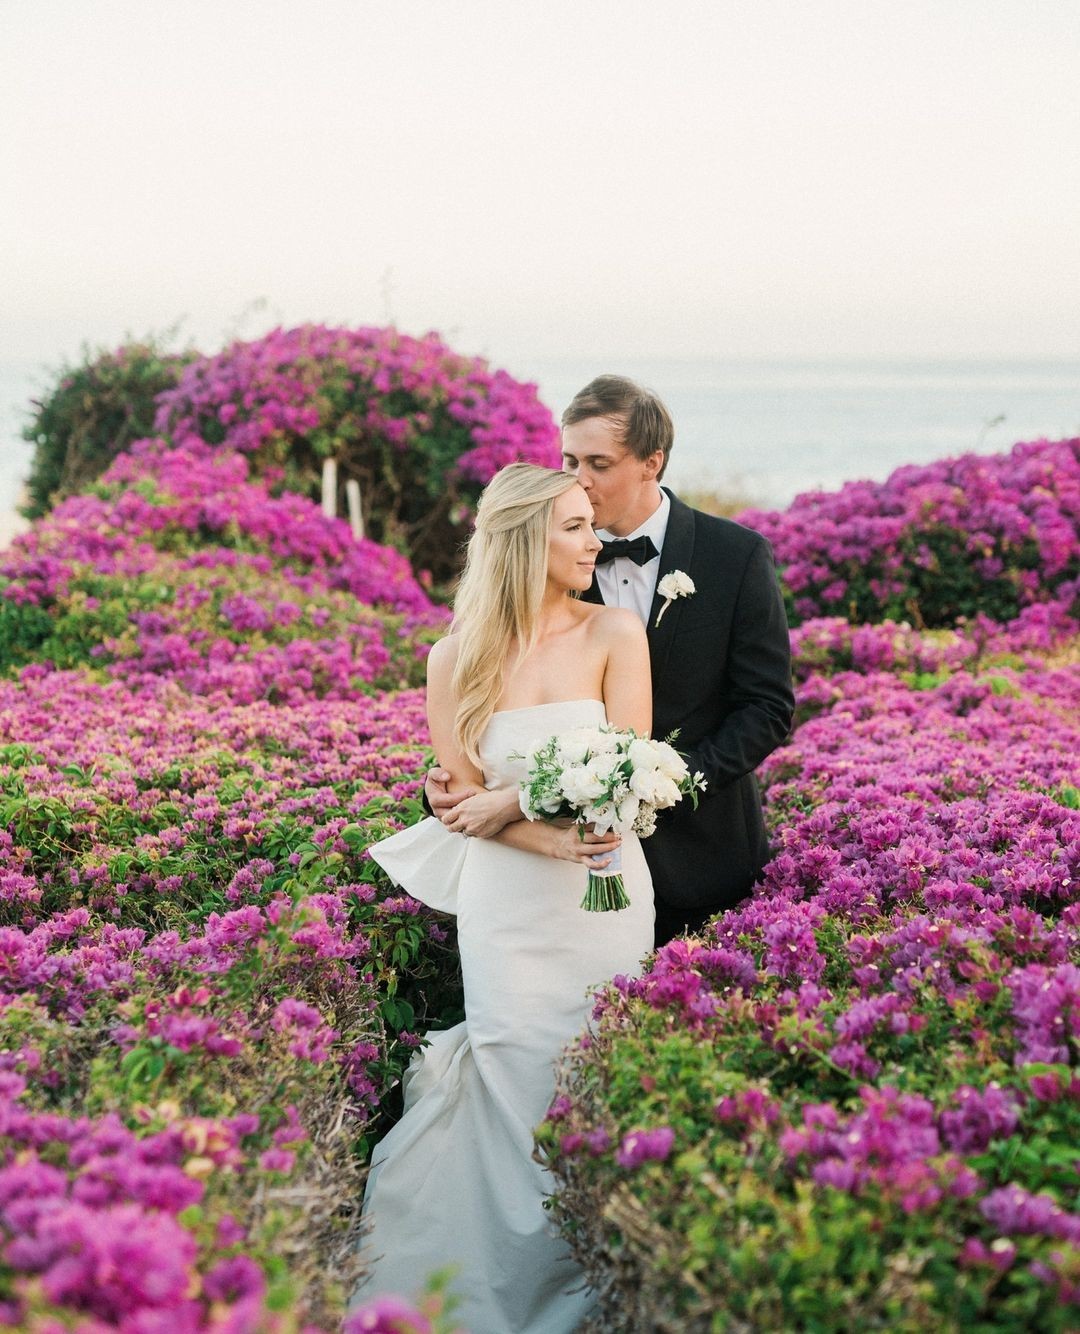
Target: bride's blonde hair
(498, 598)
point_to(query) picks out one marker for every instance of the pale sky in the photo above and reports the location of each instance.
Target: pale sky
(812, 178)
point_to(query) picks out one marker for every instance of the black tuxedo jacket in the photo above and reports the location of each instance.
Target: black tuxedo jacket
(721, 673)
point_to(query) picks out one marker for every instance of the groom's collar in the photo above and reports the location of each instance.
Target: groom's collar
(655, 526)
(676, 553)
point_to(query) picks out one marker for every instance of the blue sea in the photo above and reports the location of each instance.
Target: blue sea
(766, 430)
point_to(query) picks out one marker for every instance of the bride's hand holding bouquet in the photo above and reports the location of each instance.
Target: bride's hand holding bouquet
(604, 780)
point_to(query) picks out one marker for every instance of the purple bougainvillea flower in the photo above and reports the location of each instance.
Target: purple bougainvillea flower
(645, 1146)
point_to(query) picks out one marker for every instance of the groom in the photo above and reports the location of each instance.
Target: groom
(721, 667)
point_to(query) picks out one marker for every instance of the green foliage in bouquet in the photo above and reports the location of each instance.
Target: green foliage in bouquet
(93, 412)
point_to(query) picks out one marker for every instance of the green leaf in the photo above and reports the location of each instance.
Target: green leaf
(1068, 796)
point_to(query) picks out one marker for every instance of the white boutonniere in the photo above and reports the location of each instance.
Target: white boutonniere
(672, 586)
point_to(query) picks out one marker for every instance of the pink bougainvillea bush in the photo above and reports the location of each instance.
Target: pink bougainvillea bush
(855, 1101)
(830, 644)
(420, 427)
(207, 993)
(178, 567)
(934, 543)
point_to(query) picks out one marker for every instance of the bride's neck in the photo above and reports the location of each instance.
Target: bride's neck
(554, 609)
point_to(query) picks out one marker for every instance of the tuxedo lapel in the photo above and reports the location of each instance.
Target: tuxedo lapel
(677, 554)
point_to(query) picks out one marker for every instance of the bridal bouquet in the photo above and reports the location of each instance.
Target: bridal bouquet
(610, 779)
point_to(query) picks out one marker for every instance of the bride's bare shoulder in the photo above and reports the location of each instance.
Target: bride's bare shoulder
(615, 625)
(443, 656)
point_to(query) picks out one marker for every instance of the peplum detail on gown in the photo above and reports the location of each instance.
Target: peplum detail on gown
(454, 1181)
(426, 860)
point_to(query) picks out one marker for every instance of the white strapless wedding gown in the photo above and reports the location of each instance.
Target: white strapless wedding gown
(454, 1181)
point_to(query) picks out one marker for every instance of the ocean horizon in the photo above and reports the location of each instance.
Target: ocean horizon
(764, 430)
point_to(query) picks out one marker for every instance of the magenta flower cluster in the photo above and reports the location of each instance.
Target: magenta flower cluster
(162, 797)
(206, 493)
(645, 1146)
(256, 395)
(155, 497)
(896, 1011)
(938, 541)
(92, 1215)
(178, 568)
(830, 644)
(417, 426)
(168, 795)
(188, 914)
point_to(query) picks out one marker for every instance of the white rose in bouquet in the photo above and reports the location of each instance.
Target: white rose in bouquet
(627, 809)
(572, 749)
(646, 754)
(645, 785)
(603, 765)
(602, 816)
(670, 763)
(580, 784)
(642, 754)
(606, 743)
(651, 786)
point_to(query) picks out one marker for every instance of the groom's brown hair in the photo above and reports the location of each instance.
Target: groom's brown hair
(645, 424)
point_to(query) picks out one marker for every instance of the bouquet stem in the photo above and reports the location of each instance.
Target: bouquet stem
(605, 891)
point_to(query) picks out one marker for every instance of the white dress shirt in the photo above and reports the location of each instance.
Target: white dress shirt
(622, 583)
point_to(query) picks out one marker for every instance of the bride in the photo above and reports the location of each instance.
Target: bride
(454, 1182)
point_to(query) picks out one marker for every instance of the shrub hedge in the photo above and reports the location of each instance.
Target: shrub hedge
(420, 427)
(177, 567)
(854, 1101)
(989, 534)
(208, 990)
(94, 412)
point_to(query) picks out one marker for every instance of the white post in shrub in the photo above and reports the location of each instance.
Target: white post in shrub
(356, 517)
(329, 487)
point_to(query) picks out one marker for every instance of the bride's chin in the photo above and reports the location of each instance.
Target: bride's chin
(578, 586)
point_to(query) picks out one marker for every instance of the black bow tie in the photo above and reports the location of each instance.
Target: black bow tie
(640, 550)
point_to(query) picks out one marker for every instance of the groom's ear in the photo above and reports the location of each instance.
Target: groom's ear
(653, 465)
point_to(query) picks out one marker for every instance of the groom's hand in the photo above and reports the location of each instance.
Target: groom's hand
(440, 801)
(485, 814)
